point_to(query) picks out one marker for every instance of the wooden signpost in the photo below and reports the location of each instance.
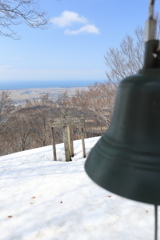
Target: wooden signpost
(67, 123)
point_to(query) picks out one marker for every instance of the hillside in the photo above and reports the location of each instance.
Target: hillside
(46, 200)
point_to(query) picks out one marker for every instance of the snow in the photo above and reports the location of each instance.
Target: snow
(42, 199)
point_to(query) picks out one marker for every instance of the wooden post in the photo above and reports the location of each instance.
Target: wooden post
(66, 145)
(83, 144)
(70, 140)
(67, 122)
(54, 146)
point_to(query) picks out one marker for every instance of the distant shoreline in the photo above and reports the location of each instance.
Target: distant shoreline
(16, 85)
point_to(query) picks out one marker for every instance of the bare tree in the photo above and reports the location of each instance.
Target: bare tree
(15, 12)
(127, 59)
(96, 103)
(64, 100)
(5, 102)
(19, 129)
(41, 111)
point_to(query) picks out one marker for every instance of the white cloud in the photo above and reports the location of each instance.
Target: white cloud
(86, 29)
(67, 18)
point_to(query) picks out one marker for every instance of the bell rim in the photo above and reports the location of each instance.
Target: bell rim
(126, 152)
(101, 169)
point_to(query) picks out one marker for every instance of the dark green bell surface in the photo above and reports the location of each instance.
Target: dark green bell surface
(126, 160)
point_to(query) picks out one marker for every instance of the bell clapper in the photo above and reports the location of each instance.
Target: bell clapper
(150, 34)
(156, 221)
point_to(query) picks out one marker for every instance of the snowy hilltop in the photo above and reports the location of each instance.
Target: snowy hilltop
(42, 199)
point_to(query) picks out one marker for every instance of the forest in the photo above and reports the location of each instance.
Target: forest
(28, 127)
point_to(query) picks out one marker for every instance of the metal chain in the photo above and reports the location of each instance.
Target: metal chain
(151, 9)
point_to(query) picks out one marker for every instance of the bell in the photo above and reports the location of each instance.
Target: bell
(126, 159)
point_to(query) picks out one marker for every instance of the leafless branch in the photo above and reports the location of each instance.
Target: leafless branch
(15, 12)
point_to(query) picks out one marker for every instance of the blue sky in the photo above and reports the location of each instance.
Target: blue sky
(73, 47)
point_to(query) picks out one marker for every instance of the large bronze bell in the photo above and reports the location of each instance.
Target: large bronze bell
(126, 159)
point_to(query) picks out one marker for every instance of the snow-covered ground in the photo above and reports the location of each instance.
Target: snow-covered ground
(42, 199)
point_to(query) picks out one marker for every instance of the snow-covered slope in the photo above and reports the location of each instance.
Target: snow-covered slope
(41, 199)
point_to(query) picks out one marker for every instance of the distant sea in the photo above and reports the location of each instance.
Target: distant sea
(13, 85)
